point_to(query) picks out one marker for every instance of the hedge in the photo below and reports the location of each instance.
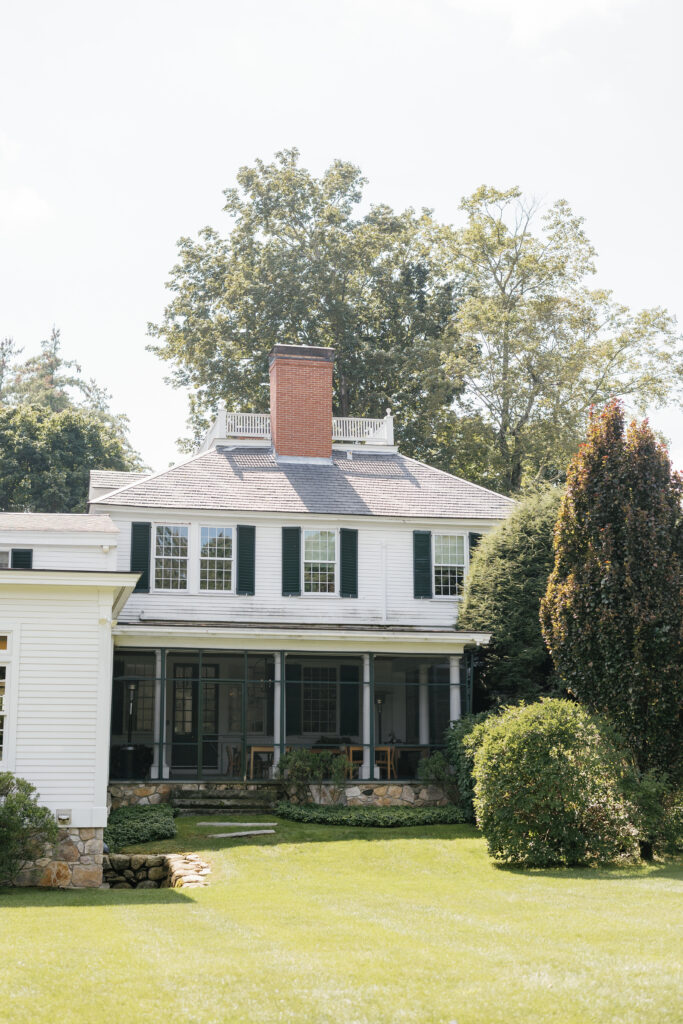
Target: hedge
(370, 817)
(131, 825)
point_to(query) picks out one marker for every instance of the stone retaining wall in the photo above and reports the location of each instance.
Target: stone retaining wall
(127, 794)
(74, 863)
(154, 871)
(379, 794)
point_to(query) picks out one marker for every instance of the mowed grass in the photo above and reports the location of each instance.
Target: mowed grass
(330, 924)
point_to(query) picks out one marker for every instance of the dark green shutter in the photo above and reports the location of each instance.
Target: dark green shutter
(349, 700)
(422, 563)
(246, 547)
(140, 541)
(348, 560)
(22, 558)
(291, 561)
(474, 539)
(292, 700)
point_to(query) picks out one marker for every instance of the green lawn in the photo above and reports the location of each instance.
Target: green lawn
(331, 924)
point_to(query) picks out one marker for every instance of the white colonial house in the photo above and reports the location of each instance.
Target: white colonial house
(296, 583)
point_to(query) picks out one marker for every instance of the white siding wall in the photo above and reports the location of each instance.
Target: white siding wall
(67, 552)
(385, 578)
(60, 695)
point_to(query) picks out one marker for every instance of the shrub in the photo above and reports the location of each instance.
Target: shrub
(507, 579)
(658, 806)
(436, 770)
(303, 767)
(461, 760)
(547, 787)
(131, 825)
(370, 817)
(25, 827)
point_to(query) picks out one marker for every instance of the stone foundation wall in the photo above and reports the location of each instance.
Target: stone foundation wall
(127, 794)
(154, 871)
(74, 863)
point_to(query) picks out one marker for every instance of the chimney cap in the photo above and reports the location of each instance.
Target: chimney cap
(316, 352)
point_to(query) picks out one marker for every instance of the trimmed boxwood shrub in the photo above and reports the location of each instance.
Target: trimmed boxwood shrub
(461, 759)
(370, 817)
(25, 827)
(131, 825)
(548, 782)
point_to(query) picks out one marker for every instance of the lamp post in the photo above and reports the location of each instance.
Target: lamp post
(379, 701)
(128, 752)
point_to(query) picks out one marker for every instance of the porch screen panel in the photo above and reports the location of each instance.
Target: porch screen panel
(349, 700)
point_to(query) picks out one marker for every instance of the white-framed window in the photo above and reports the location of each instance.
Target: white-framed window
(319, 700)
(216, 558)
(320, 561)
(4, 558)
(170, 556)
(449, 564)
(5, 652)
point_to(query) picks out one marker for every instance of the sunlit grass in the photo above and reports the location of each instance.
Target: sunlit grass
(327, 924)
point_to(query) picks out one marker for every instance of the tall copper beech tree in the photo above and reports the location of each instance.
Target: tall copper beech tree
(612, 616)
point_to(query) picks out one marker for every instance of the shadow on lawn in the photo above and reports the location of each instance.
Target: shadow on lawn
(77, 898)
(605, 873)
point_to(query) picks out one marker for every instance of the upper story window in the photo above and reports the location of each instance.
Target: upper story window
(4, 559)
(216, 558)
(320, 561)
(449, 565)
(170, 557)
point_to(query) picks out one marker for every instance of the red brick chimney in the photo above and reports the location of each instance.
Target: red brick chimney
(301, 401)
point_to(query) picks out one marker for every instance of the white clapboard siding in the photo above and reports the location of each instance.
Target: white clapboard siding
(73, 556)
(59, 694)
(385, 580)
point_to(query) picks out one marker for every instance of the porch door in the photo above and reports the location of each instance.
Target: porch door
(185, 732)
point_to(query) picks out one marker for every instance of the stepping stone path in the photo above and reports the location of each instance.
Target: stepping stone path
(238, 824)
(235, 835)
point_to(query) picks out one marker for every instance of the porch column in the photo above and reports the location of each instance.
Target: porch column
(155, 771)
(277, 707)
(424, 706)
(367, 707)
(456, 705)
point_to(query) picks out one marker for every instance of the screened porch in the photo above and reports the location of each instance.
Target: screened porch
(191, 715)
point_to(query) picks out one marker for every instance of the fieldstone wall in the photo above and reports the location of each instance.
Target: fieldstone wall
(377, 794)
(127, 794)
(74, 863)
(154, 871)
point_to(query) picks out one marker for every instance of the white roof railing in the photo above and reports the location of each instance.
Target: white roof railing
(256, 425)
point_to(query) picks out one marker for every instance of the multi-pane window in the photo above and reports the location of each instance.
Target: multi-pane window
(215, 566)
(319, 700)
(319, 561)
(170, 558)
(449, 565)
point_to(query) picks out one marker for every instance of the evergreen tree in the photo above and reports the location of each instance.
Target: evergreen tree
(507, 579)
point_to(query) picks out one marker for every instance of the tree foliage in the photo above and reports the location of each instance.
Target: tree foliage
(548, 786)
(54, 428)
(612, 615)
(300, 265)
(508, 577)
(532, 347)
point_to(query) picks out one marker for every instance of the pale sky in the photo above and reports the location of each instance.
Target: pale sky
(121, 124)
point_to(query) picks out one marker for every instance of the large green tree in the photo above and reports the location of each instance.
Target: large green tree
(507, 579)
(532, 347)
(301, 265)
(55, 427)
(613, 612)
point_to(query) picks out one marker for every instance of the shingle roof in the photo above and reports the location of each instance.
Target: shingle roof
(113, 478)
(249, 479)
(55, 521)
